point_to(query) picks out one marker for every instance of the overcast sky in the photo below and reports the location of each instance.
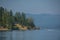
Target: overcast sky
(32, 6)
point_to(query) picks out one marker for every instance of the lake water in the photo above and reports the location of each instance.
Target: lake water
(46, 34)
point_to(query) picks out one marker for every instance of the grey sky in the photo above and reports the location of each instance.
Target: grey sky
(32, 6)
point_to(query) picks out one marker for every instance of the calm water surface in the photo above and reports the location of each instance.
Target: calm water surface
(46, 34)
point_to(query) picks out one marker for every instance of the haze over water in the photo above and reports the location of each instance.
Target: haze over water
(46, 15)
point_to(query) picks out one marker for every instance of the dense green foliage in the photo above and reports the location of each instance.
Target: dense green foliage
(7, 19)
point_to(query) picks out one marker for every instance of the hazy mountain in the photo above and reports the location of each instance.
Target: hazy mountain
(46, 20)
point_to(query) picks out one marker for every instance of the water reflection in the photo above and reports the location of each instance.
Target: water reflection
(2, 35)
(5, 35)
(30, 35)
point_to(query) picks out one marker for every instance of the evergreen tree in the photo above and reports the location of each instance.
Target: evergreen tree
(11, 19)
(23, 18)
(4, 17)
(30, 23)
(18, 17)
(1, 12)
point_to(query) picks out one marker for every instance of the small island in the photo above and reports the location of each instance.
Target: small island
(15, 21)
